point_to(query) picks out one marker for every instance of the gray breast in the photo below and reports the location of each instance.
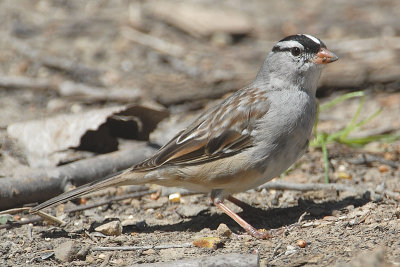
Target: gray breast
(284, 132)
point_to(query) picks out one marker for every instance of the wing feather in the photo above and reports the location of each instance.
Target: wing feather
(221, 131)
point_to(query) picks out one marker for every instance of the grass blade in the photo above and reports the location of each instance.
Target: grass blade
(340, 99)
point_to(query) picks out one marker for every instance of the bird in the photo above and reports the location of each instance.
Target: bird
(249, 138)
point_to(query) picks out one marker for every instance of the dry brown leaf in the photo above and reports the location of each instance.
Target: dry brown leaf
(209, 242)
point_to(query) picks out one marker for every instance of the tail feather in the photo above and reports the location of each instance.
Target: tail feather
(124, 178)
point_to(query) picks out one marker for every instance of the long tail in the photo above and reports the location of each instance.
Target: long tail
(123, 178)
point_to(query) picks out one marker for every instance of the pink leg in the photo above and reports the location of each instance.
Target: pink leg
(260, 234)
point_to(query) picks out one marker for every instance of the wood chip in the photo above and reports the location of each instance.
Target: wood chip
(208, 242)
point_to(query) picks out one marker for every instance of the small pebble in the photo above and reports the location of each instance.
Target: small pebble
(302, 243)
(102, 256)
(112, 228)
(329, 218)
(353, 222)
(175, 198)
(223, 230)
(66, 251)
(383, 168)
(290, 250)
(342, 168)
(155, 195)
(149, 252)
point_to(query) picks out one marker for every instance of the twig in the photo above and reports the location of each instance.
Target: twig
(14, 211)
(231, 259)
(19, 223)
(26, 82)
(368, 158)
(130, 248)
(309, 187)
(55, 220)
(108, 201)
(71, 89)
(337, 187)
(153, 42)
(78, 71)
(106, 261)
(48, 183)
(275, 252)
(42, 214)
(296, 224)
(302, 217)
(50, 218)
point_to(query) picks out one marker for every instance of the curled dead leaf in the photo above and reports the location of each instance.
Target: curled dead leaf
(209, 242)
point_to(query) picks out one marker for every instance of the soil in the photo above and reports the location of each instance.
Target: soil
(340, 228)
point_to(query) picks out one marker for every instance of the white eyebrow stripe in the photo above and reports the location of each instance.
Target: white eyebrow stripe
(289, 44)
(312, 38)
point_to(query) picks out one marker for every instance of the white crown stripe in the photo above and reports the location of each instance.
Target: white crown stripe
(289, 44)
(312, 38)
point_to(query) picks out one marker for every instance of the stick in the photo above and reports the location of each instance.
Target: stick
(132, 248)
(111, 200)
(14, 211)
(308, 187)
(368, 158)
(231, 259)
(50, 218)
(275, 252)
(77, 71)
(94, 93)
(19, 223)
(41, 185)
(72, 89)
(54, 220)
(315, 187)
(153, 42)
(26, 82)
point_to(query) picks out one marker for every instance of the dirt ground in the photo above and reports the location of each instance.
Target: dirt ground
(340, 228)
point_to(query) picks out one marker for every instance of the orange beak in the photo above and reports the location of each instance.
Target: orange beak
(324, 56)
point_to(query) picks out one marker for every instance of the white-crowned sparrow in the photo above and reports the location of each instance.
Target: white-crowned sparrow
(248, 139)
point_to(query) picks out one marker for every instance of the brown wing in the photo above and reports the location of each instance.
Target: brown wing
(221, 131)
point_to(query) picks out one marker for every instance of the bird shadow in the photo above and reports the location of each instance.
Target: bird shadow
(271, 218)
(268, 219)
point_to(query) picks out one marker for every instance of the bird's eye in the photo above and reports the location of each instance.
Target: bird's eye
(295, 51)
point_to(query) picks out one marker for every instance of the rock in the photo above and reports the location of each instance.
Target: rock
(149, 252)
(110, 228)
(233, 259)
(69, 251)
(223, 230)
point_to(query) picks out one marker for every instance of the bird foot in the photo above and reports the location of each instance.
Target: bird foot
(264, 234)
